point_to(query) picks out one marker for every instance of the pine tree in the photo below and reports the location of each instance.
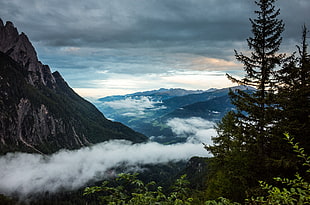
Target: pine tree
(254, 118)
(255, 110)
(294, 95)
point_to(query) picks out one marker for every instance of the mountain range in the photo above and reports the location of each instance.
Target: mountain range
(149, 112)
(39, 112)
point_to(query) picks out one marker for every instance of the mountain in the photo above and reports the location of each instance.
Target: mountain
(156, 95)
(213, 109)
(181, 101)
(139, 107)
(39, 112)
(148, 112)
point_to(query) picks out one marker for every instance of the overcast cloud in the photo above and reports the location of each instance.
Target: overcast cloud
(93, 43)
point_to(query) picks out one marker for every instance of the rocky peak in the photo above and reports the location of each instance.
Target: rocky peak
(20, 49)
(39, 112)
(8, 35)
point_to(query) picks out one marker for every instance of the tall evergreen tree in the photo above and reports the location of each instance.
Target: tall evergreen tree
(294, 95)
(255, 111)
(248, 143)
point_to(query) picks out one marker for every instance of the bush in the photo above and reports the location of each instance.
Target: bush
(128, 190)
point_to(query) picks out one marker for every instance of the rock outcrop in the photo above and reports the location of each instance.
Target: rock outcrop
(20, 49)
(39, 112)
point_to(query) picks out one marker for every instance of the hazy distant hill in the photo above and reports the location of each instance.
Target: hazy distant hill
(181, 101)
(213, 109)
(148, 112)
(157, 95)
(39, 112)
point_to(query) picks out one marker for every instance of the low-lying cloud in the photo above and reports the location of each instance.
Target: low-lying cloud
(195, 129)
(135, 106)
(26, 174)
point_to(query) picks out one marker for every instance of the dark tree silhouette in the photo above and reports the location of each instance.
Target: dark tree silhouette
(242, 147)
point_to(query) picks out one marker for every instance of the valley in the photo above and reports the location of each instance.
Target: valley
(186, 104)
(54, 142)
(153, 113)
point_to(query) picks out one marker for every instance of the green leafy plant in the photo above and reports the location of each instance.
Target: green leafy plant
(129, 190)
(221, 201)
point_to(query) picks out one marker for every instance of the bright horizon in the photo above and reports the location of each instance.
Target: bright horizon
(190, 82)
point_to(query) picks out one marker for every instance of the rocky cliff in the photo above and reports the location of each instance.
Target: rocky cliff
(39, 112)
(20, 49)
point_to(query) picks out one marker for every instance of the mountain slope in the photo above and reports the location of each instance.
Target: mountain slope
(213, 109)
(181, 101)
(39, 112)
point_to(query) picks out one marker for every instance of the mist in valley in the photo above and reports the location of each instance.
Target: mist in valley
(26, 174)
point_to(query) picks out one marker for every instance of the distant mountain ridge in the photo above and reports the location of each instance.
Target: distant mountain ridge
(213, 109)
(160, 94)
(181, 101)
(39, 112)
(148, 112)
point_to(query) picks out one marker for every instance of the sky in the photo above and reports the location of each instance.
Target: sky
(104, 47)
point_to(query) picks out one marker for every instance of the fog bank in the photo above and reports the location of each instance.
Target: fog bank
(26, 174)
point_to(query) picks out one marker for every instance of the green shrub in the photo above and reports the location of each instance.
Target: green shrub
(129, 190)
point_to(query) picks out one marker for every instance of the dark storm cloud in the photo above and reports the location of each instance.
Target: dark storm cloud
(295, 14)
(109, 23)
(79, 22)
(76, 23)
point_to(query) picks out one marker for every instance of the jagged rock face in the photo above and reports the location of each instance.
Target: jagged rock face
(20, 49)
(39, 112)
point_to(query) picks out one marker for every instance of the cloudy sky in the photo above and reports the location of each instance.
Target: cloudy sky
(104, 47)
